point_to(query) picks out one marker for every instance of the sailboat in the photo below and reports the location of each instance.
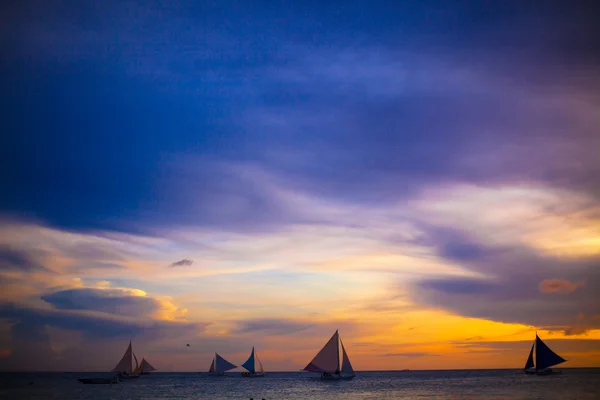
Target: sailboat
(144, 368)
(251, 364)
(220, 365)
(327, 361)
(125, 367)
(544, 359)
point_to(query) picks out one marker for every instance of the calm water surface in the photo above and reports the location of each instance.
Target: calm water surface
(580, 384)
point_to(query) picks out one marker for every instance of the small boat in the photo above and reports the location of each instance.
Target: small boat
(124, 368)
(144, 368)
(250, 366)
(99, 381)
(327, 361)
(544, 359)
(219, 366)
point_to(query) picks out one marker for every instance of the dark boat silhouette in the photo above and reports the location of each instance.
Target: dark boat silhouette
(544, 359)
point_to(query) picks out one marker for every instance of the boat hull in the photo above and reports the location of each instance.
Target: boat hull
(545, 372)
(253, 375)
(125, 377)
(336, 377)
(216, 373)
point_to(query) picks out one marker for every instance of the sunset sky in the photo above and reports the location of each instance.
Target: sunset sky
(421, 175)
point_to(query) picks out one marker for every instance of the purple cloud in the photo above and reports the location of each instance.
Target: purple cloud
(511, 292)
(182, 263)
(19, 260)
(99, 325)
(111, 301)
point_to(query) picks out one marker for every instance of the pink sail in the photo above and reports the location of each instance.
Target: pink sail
(328, 359)
(125, 366)
(346, 365)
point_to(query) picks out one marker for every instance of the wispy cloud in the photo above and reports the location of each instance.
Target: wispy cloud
(182, 263)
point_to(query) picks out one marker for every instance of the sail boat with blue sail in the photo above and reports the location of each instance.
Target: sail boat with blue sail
(220, 365)
(253, 366)
(545, 358)
(327, 361)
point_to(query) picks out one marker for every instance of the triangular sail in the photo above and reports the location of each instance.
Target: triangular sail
(212, 366)
(136, 361)
(146, 367)
(260, 364)
(346, 365)
(250, 365)
(125, 365)
(529, 363)
(328, 359)
(222, 365)
(544, 356)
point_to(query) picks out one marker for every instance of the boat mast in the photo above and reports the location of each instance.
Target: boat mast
(337, 371)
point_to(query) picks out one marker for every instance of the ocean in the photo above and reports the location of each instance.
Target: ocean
(576, 384)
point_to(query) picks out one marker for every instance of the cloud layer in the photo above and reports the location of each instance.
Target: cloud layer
(388, 169)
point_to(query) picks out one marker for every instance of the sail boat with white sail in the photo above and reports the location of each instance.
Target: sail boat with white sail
(125, 367)
(220, 365)
(327, 361)
(544, 359)
(250, 365)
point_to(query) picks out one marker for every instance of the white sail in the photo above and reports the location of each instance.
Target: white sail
(125, 366)
(328, 359)
(346, 365)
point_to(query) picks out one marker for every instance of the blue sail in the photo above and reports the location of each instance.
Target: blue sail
(222, 365)
(249, 364)
(529, 363)
(544, 356)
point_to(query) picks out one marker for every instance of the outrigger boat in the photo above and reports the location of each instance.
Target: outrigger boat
(250, 366)
(144, 368)
(327, 361)
(125, 367)
(544, 359)
(219, 366)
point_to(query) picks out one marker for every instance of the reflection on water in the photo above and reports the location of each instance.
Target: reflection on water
(580, 384)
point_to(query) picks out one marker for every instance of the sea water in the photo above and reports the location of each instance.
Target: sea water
(576, 384)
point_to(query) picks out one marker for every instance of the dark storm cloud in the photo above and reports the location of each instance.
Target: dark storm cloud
(413, 94)
(29, 341)
(111, 301)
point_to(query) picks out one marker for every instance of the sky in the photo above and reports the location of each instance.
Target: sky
(421, 175)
